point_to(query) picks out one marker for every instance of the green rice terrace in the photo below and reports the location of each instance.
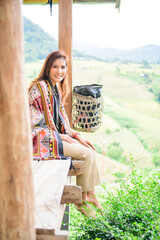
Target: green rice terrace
(128, 149)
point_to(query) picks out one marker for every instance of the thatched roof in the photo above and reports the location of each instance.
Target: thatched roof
(117, 2)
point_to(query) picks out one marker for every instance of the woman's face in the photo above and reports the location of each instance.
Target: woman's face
(58, 70)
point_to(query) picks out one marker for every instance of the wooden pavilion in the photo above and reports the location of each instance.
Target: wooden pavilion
(16, 180)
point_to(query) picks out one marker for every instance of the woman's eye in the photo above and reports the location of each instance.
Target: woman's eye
(63, 67)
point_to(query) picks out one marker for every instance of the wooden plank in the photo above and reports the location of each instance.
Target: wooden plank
(49, 180)
(50, 237)
(35, 1)
(45, 232)
(72, 194)
(16, 188)
(42, 234)
(63, 233)
(61, 210)
(65, 44)
(79, 168)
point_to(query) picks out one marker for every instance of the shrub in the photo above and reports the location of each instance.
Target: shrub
(108, 131)
(114, 151)
(156, 91)
(156, 160)
(99, 148)
(131, 211)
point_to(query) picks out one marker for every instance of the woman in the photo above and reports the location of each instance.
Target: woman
(51, 132)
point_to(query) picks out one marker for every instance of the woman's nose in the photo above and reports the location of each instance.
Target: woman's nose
(59, 70)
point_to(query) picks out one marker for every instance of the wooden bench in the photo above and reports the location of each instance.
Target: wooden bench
(52, 190)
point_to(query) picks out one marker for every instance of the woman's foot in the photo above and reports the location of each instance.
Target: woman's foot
(86, 210)
(91, 198)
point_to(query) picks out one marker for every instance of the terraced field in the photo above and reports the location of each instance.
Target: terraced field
(131, 116)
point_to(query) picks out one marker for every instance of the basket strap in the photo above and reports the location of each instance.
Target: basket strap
(81, 117)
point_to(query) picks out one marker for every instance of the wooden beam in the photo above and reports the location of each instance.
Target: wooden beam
(45, 231)
(72, 194)
(75, 1)
(16, 190)
(118, 3)
(65, 44)
(79, 168)
(45, 234)
(52, 237)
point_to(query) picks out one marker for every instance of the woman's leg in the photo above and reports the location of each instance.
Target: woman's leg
(90, 176)
(84, 207)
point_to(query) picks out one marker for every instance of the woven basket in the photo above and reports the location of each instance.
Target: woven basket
(87, 112)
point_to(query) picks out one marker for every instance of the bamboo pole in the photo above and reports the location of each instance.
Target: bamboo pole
(16, 191)
(65, 44)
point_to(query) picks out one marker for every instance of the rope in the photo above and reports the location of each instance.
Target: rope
(86, 120)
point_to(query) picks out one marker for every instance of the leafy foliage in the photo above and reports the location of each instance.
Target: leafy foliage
(156, 160)
(156, 91)
(130, 212)
(114, 151)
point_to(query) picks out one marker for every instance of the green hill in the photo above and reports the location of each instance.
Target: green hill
(38, 44)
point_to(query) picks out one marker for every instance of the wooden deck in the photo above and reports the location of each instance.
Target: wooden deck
(52, 190)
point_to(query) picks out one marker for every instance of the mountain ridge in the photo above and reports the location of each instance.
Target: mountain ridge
(149, 53)
(38, 44)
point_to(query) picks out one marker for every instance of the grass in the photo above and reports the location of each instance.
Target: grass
(131, 211)
(32, 70)
(123, 121)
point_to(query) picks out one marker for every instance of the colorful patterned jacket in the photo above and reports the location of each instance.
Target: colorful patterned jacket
(47, 143)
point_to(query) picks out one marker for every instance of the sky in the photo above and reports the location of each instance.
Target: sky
(135, 25)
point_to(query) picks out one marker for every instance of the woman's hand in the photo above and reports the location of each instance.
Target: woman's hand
(67, 138)
(85, 142)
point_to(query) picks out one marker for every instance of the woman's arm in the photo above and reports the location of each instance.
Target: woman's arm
(73, 134)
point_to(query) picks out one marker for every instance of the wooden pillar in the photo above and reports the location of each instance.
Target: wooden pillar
(65, 44)
(16, 189)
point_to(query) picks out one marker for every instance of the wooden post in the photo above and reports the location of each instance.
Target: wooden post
(65, 44)
(16, 190)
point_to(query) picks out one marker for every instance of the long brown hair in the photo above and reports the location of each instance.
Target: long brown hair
(44, 73)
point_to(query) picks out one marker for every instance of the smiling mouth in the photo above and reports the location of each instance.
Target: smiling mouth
(58, 76)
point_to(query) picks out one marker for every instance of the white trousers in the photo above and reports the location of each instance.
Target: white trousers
(90, 176)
